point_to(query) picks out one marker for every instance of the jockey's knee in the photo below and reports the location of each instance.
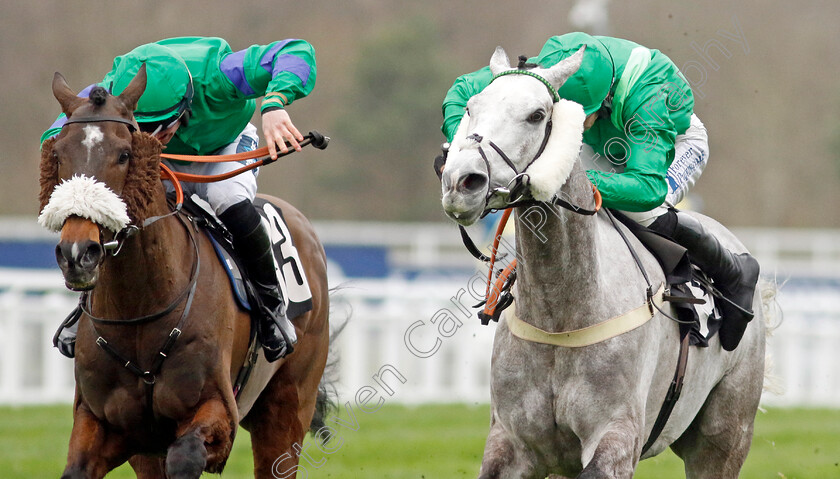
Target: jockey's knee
(666, 223)
(647, 218)
(223, 195)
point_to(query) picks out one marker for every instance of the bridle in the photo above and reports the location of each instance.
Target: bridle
(517, 194)
(113, 247)
(516, 191)
(132, 125)
(516, 187)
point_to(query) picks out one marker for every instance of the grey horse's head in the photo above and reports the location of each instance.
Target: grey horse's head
(504, 130)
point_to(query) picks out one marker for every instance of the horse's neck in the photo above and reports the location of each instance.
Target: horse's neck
(559, 260)
(151, 269)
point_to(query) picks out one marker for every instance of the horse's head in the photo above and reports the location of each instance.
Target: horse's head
(516, 134)
(97, 175)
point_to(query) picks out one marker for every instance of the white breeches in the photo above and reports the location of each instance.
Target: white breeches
(223, 194)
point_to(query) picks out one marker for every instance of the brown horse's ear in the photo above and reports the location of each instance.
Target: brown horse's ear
(131, 95)
(49, 173)
(66, 97)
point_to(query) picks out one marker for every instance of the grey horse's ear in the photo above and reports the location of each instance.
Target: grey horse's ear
(499, 62)
(559, 73)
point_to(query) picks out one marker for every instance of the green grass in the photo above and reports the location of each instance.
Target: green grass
(443, 441)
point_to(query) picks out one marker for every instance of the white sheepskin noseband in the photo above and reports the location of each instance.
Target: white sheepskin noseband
(85, 197)
(553, 167)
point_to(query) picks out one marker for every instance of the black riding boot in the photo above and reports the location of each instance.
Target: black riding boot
(734, 275)
(253, 245)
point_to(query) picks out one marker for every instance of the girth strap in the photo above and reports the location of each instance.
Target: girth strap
(591, 334)
(671, 397)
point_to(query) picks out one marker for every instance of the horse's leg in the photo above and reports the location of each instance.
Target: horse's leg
(93, 449)
(280, 418)
(617, 452)
(502, 459)
(276, 428)
(147, 467)
(203, 443)
(716, 443)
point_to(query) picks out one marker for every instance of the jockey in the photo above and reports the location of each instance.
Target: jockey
(199, 99)
(644, 149)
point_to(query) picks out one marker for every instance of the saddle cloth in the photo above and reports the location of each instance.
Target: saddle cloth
(291, 276)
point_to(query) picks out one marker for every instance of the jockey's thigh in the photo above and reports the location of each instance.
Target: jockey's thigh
(223, 194)
(690, 158)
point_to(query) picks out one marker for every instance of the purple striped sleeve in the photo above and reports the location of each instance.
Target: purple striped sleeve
(234, 68)
(285, 63)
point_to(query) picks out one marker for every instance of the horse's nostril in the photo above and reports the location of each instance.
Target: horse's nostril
(473, 182)
(91, 256)
(61, 258)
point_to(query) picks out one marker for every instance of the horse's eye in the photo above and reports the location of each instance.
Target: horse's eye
(124, 157)
(536, 117)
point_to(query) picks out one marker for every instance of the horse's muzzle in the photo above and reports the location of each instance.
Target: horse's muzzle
(463, 196)
(79, 253)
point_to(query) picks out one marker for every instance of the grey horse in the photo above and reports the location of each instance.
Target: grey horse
(586, 412)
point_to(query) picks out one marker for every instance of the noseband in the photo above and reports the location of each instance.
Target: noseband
(516, 187)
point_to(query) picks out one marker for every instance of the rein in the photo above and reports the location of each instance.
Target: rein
(497, 296)
(261, 155)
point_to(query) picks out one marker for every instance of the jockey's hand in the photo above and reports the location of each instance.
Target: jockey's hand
(277, 129)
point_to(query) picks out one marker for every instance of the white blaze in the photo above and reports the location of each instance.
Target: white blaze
(93, 137)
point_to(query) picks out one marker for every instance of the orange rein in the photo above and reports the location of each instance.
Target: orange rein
(493, 291)
(261, 153)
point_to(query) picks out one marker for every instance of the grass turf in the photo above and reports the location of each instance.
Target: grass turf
(434, 441)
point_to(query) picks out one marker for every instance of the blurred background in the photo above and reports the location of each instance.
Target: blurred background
(765, 81)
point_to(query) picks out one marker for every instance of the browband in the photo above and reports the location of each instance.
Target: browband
(132, 125)
(516, 71)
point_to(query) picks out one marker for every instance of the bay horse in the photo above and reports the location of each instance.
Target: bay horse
(163, 306)
(585, 410)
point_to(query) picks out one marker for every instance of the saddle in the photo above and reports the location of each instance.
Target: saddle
(292, 277)
(691, 292)
(689, 289)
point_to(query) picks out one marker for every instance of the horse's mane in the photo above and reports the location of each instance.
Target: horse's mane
(49, 173)
(143, 178)
(141, 183)
(524, 65)
(97, 96)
